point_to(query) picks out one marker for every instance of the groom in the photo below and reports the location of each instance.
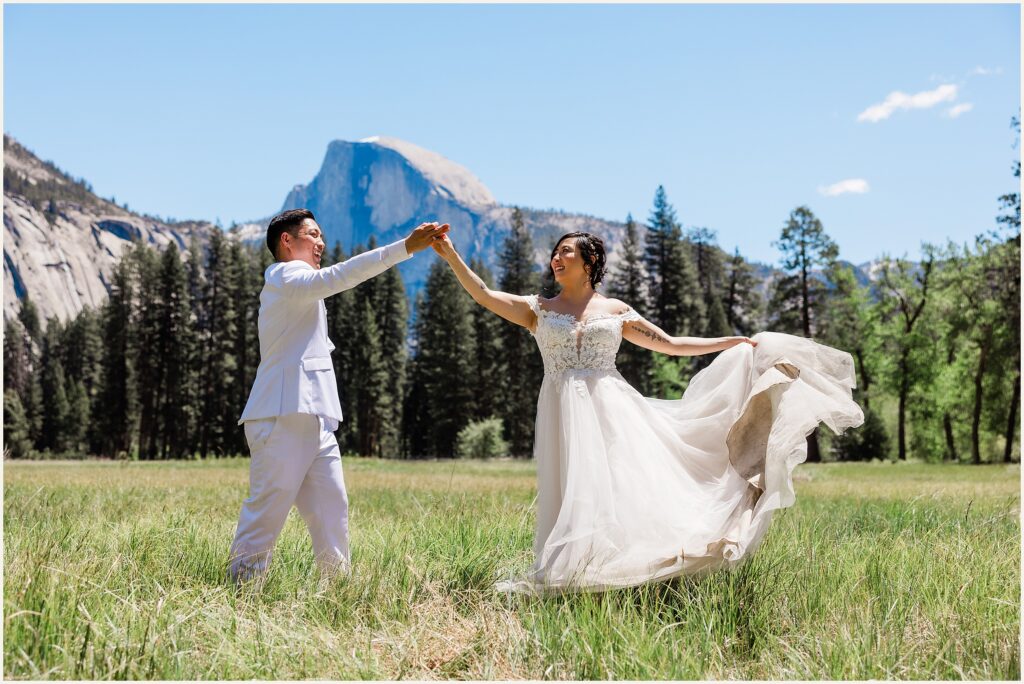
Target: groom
(293, 408)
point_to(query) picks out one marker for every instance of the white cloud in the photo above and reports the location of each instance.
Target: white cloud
(855, 185)
(959, 109)
(982, 71)
(897, 100)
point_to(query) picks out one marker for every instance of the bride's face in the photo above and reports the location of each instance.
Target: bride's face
(567, 263)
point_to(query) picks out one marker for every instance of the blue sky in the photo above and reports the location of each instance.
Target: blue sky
(742, 112)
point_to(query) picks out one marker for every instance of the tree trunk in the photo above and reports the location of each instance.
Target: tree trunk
(806, 303)
(904, 390)
(947, 423)
(1011, 424)
(813, 451)
(947, 420)
(979, 375)
(864, 393)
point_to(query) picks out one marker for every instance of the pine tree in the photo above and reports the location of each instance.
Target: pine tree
(392, 307)
(78, 418)
(32, 401)
(28, 315)
(363, 364)
(708, 262)
(118, 389)
(415, 414)
(192, 393)
(710, 274)
(149, 362)
(847, 322)
(628, 280)
(804, 245)
(219, 424)
(17, 358)
(373, 404)
(442, 388)
(742, 302)
(519, 276)
(488, 360)
(342, 328)
(83, 357)
(660, 227)
(785, 312)
(628, 283)
(32, 397)
(676, 303)
(549, 287)
(79, 348)
(176, 344)
(56, 409)
(246, 279)
(17, 437)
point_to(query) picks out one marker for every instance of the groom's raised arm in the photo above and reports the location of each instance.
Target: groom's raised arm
(298, 279)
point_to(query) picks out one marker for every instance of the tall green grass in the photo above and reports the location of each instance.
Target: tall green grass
(117, 571)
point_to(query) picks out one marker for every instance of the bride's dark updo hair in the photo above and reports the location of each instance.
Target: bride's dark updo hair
(591, 248)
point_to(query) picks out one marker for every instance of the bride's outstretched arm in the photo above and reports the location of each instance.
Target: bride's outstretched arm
(511, 307)
(643, 333)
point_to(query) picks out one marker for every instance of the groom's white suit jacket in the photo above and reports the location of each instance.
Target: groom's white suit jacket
(296, 374)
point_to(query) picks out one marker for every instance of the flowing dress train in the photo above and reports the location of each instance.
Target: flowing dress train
(634, 489)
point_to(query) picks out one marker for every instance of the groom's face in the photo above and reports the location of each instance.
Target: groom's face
(306, 245)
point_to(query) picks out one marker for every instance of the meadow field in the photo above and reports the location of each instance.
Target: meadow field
(116, 570)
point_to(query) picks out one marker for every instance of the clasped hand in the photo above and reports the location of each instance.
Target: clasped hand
(424, 235)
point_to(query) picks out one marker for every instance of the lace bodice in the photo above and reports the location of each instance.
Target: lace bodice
(567, 344)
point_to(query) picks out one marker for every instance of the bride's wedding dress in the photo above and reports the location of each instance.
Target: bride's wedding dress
(633, 489)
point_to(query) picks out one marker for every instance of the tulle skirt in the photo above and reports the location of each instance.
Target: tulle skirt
(634, 489)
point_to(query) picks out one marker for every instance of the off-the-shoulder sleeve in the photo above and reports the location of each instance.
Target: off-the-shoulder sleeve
(630, 314)
(532, 301)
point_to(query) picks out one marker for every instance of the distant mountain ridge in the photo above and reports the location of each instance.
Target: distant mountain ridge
(61, 241)
(384, 187)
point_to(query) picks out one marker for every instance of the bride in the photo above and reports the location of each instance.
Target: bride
(634, 489)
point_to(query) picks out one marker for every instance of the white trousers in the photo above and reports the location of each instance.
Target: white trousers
(295, 460)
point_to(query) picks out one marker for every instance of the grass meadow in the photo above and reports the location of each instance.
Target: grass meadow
(117, 571)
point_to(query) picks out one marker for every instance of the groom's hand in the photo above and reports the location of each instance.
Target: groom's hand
(423, 235)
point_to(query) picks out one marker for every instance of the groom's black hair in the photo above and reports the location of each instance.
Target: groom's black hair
(591, 249)
(285, 222)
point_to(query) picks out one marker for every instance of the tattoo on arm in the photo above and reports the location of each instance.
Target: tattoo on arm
(649, 334)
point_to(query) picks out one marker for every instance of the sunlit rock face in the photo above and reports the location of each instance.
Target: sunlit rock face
(61, 242)
(62, 252)
(384, 187)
